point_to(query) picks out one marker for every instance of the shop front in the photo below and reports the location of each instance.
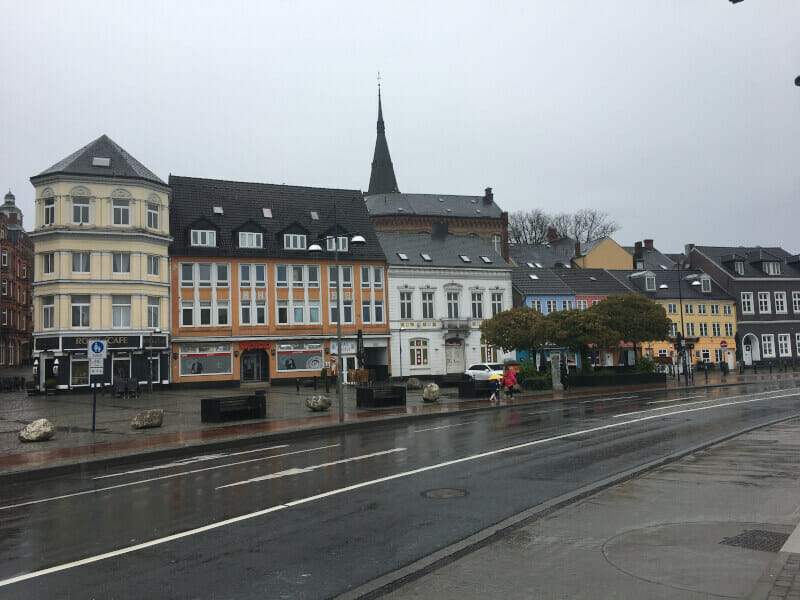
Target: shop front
(254, 361)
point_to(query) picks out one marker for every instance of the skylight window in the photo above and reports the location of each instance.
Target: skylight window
(402, 256)
(266, 213)
(426, 257)
(530, 265)
(314, 215)
(592, 278)
(218, 210)
(101, 161)
(538, 264)
(532, 276)
(665, 267)
(465, 258)
(486, 259)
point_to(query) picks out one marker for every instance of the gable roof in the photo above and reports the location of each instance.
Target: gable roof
(634, 280)
(590, 282)
(652, 258)
(242, 202)
(121, 164)
(444, 251)
(547, 283)
(433, 205)
(549, 255)
(752, 257)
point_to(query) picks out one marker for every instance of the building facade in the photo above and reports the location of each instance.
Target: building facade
(101, 268)
(253, 303)
(16, 274)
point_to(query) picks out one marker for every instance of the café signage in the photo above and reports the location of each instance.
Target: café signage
(49, 343)
(112, 342)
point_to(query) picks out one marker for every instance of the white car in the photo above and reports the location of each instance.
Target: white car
(484, 370)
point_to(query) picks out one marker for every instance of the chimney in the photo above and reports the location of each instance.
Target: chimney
(577, 249)
(552, 235)
(637, 249)
(648, 244)
(488, 196)
(439, 230)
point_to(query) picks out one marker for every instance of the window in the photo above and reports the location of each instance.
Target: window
(452, 306)
(768, 345)
(244, 276)
(153, 264)
(245, 312)
(122, 212)
(486, 259)
(222, 275)
(418, 352)
(47, 263)
(261, 312)
(477, 305)
(581, 304)
(5, 258)
(738, 266)
(488, 353)
(153, 311)
(79, 369)
(249, 240)
(689, 329)
(80, 211)
(298, 311)
(347, 277)
(121, 262)
(313, 311)
(402, 256)
(673, 330)
(772, 268)
(796, 301)
(719, 355)
(5, 317)
(728, 329)
(688, 308)
(283, 312)
(294, 241)
(347, 306)
(497, 303)
(706, 283)
(204, 274)
(552, 305)
(297, 276)
(716, 330)
(566, 305)
(705, 354)
(727, 309)
(281, 277)
(49, 216)
(701, 309)
(152, 215)
(650, 283)
(205, 359)
(342, 243)
(366, 311)
(187, 274)
(365, 277)
(797, 342)
(377, 276)
(378, 305)
(222, 312)
(204, 237)
(465, 258)
(313, 275)
(187, 314)
(763, 302)
(425, 257)
(536, 305)
(261, 275)
(747, 303)
(427, 305)
(81, 262)
(784, 345)
(715, 309)
(48, 312)
(120, 311)
(332, 276)
(80, 311)
(780, 302)
(672, 308)
(497, 241)
(205, 313)
(5, 287)
(704, 329)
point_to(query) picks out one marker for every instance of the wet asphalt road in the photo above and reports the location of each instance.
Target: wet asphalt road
(336, 511)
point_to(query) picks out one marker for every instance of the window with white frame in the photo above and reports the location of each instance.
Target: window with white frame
(294, 241)
(427, 305)
(204, 274)
(153, 263)
(706, 284)
(260, 270)
(747, 303)
(80, 310)
(331, 244)
(784, 345)
(298, 311)
(223, 312)
(418, 352)
(672, 308)
(763, 302)
(715, 309)
(80, 210)
(153, 312)
(727, 309)
(187, 274)
(49, 211)
(488, 353)
(552, 305)
(204, 237)
(261, 312)
(704, 329)
(688, 309)
(780, 303)
(497, 303)
(281, 276)
(795, 301)
(705, 354)
(497, 243)
(673, 330)
(768, 345)
(333, 305)
(719, 355)
(5, 258)
(772, 267)
(797, 343)
(738, 266)
(121, 262)
(313, 311)
(477, 305)
(536, 305)
(332, 276)
(716, 330)
(122, 212)
(283, 312)
(365, 277)
(347, 276)
(313, 276)
(377, 276)
(248, 239)
(5, 287)
(120, 311)
(5, 316)
(452, 305)
(689, 329)
(205, 313)
(701, 309)
(81, 262)
(152, 215)
(245, 312)
(650, 283)
(566, 305)
(729, 329)
(222, 275)
(581, 304)
(378, 307)
(366, 311)
(297, 276)
(187, 313)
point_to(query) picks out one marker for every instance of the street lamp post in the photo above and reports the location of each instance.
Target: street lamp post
(354, 238)
(400, 339)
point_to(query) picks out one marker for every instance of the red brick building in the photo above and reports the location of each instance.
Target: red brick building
(16, 256)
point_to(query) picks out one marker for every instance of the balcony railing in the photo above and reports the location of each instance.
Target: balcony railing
(456, 324)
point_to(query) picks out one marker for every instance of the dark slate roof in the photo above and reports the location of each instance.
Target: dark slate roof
(547, 283)
(652, 258)
(432, 205)
(444, 251)
(549, 255)
(635, 281)
(587, 247)
(194, 199)
(753, 257)
(122, 164)
(590, 282)
(382, 179)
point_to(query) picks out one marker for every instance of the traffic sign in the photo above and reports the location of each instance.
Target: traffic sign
(97, 348)
(723, 344)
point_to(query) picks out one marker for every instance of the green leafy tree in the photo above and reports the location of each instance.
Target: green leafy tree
(636, 318)
(512, 329)
(576, 330)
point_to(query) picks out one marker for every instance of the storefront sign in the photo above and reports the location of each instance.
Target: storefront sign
(348, 347)
(245, 346)
(154, 341)
(49, 343)
(112, 342)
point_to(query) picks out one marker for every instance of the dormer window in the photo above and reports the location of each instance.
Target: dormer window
(204, 237)
(640, 265)
(342, 243)
(294, 241)
(738, 266)
(248, 239)
(706, 283)
(650, 283)
(772, 267)
(218, 210)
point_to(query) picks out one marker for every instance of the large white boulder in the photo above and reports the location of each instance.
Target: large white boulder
(38, 431)
(431, 393)
(318, 403)
(413, 384)
(148, 418)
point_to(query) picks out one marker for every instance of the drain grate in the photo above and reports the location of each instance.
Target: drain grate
(758, 539)
(445, 493)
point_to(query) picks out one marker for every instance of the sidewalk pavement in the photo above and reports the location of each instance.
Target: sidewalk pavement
(713, 524)
(287, 413)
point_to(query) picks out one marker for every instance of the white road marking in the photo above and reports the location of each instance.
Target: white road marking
(188, 461)
(122, 485)
(442, 427)
(607, 399)
(676, 399)
(638, 412)
(541, 412)
(298, 471)
(363, 484)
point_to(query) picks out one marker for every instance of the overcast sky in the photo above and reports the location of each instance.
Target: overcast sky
(678, 118)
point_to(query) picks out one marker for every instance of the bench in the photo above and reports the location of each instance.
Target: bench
(380, 397)
(234, 408)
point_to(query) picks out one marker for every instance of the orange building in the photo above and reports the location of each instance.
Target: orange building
(251, 301)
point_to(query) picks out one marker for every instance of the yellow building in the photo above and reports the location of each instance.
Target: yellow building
(101, 268)
(602, 253)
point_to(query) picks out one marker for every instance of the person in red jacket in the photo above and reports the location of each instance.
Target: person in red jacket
(509, 381)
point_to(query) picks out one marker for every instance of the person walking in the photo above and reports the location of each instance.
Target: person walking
(494, 387)
(509, 381)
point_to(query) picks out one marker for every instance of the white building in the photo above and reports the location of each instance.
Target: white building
(440, 288)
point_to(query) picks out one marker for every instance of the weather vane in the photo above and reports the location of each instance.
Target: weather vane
(379, 81)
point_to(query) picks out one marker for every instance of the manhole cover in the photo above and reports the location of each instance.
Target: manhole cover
(758, 539)
(445, 493)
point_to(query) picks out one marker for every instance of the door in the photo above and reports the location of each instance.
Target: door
(251, 367)
(349, 365)
(731, 361)
(609, 359)
(454, 357)
(747, 354)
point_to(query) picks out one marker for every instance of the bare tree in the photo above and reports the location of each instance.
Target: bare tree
(584, 225)
(528, 227)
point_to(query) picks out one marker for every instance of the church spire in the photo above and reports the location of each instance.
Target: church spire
(382, 179)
